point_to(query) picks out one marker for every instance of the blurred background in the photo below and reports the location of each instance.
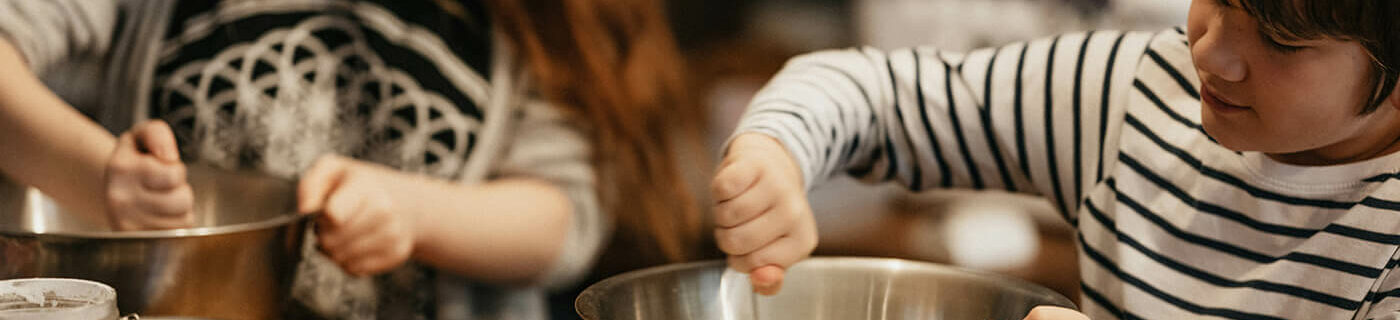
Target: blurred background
(734, 46)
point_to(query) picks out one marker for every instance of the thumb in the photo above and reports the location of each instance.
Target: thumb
(157, 138)
(767, 280)
(317, 183)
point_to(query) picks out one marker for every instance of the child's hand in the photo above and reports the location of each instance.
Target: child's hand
(358, 226)
(764, 221)
(1054, 313)
(146, 186)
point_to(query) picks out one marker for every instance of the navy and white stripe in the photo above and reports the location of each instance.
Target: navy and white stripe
(1107, 126)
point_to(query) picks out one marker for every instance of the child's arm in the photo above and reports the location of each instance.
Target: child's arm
(932, 119)
(1025, 117)
(48, 144)
(538, 223)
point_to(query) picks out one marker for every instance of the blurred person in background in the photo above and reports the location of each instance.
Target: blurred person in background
(462, 157)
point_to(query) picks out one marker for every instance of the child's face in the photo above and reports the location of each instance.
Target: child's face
(1301, 98)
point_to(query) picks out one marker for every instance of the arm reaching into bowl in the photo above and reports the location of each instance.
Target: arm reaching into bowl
(53, 147)
(47, 143)
(1009, 118)
(373, 218)
(763, 219)
(537, 222)
(74, 160)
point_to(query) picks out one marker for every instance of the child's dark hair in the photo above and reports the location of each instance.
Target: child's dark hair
(1369, 22)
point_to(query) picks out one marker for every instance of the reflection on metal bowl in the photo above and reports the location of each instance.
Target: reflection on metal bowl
(235, 263)
(818, 288)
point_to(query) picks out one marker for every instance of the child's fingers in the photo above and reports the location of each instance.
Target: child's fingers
(347, 217)
(783, 252)
(157, 138)
(734, 179)
(371, 256)
(126, 143)
(378, 262)
(346, 204)
(174, 203)
(757, 233)
(139, 218)
(767, 280)
(157, 175)
(137, 223)
(124, 157)
(155, 222)
(744, 208)
(1055, 313)
(343, 246)
(316, 183)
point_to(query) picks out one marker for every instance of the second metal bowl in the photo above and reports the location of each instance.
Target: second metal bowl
(818, 288)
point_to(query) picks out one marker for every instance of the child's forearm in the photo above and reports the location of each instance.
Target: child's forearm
(46, 143)
(505, 231)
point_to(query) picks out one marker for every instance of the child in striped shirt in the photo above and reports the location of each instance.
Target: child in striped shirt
(1241, 167)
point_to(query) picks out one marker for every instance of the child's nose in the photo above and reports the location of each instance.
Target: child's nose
(1216, 54)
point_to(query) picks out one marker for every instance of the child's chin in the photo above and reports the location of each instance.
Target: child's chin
(1228, 140)
(1222, 139)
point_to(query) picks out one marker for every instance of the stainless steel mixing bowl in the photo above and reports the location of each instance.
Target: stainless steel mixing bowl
(818, 288)
(236, 263)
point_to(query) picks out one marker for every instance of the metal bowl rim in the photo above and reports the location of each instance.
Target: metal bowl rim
(105, 287)
(280, 220)
(1009, 281)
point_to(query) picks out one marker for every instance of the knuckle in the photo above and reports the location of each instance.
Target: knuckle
(725, 216)
(185, 197)
(722, 186)
(118, 199)
(379, 203)
(787, 217)
(809, 243)
(734, 242)
(754, 260)
(796, 203)
(403, 251)
(725, 241)
(179, 173)
(146, 125)
(121, 165)
(322, 162)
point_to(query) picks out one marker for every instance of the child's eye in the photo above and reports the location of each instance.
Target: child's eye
(1280, 46)
(1284, 47)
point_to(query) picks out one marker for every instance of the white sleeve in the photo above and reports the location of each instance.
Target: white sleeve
(48, 32)
(1027, 117)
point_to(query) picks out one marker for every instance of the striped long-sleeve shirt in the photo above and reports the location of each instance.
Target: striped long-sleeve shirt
(1171, 224)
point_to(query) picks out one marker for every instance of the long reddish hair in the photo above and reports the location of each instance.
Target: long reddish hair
(615, 64)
